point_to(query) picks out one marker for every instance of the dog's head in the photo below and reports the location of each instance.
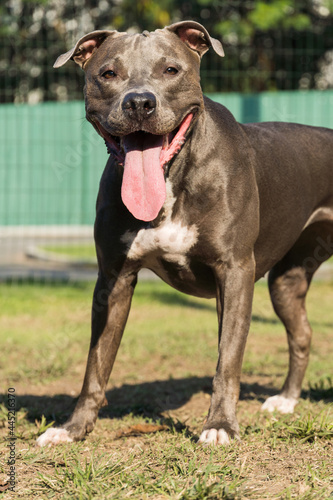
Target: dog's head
(142, 95)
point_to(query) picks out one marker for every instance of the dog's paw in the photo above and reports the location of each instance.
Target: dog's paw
(280, 403)
(54, 436)
(214, 437)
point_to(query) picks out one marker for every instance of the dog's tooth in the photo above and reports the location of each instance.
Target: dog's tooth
(165, 141)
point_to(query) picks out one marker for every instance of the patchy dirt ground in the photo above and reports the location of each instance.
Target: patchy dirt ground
(161, 378)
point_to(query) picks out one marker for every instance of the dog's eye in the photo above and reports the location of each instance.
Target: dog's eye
(171, 70)
(109, 74)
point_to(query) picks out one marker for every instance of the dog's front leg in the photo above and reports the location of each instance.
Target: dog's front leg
(111, 305)
(235, 286)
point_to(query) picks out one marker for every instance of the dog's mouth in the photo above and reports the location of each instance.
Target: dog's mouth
(145, 157)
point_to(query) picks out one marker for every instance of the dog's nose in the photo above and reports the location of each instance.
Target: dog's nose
(139, 105)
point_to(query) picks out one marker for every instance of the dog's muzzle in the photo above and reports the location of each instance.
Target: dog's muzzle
(144, 157)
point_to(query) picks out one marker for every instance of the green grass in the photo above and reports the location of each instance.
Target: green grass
(162, 375)
(72, 251)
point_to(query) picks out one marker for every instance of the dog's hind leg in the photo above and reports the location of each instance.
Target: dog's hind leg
(289, 281)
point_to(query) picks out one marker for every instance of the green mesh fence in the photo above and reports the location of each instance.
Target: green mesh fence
(52, 159)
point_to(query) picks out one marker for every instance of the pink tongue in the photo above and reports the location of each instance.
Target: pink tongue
(143, 189)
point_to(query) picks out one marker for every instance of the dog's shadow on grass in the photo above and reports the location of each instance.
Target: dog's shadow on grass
(151, 400)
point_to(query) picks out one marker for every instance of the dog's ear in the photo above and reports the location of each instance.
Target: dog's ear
(85, 47)
(196, 37)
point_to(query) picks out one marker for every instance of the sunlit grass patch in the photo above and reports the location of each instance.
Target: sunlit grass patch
(162, 377)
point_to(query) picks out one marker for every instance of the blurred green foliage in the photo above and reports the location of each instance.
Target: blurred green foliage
(269, 45)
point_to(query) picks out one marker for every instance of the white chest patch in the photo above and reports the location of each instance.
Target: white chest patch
(171, 238)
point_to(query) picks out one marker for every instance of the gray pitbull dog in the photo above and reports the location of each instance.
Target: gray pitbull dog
(208, 204)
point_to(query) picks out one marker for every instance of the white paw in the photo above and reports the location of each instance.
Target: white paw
(54, 436)
(215, 437)
(280, 403)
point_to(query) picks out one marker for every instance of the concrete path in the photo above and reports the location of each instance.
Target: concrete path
(21, 257)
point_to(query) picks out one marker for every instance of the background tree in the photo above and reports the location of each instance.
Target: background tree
(269, 45)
